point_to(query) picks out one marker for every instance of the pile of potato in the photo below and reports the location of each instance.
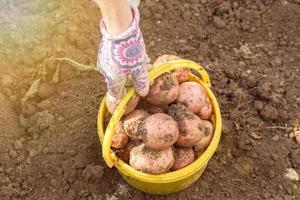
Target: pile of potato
(168, 129)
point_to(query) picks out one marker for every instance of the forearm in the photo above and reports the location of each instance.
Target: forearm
(116, 14)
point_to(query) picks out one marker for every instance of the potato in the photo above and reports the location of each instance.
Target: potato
(189, 124)
(131, 105)
(181, 74)
(159, 131)
(164, 90)
(152, 109)
(193, 96)
(209, 132)
(151, 161)
(120, 138)
(206, 111)
(124, 153)
(132, 121)
(182, 157)
(198, 154)
(163, 59)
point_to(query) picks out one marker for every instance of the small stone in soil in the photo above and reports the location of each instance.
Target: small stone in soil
(292, 174)
(276, 62)
(18, 145)
(219, 22)
(275, 138)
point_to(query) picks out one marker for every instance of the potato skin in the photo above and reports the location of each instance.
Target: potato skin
(192, 95)
(164, 90)
(159, 131)
(164, 58)
(204, 142)
(132, 121)
(124, 153)
(182, 157)
(181, 74)
(120, 138)
(189, 124)
(131, 105)
(190, 131)
(206, 111)
(151, 161)
(152, 109)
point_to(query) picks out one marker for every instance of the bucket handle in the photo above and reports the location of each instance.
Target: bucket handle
(109, 157)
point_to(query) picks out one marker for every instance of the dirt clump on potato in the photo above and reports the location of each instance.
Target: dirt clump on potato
(208, 130)
(168, 83)
(178, 111)
(132, 121)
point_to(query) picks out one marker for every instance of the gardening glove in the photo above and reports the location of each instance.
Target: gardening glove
(121, 56)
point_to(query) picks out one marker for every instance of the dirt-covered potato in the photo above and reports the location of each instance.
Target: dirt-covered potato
(164, 90)
(181, 74)
(111, 105)
(189, 124)
(131, 105)
(159, 131)
(192, 95)
(206, 111)
(151, 161)
(208, 128)
(198, 154)
(124, 153)
(132, 121)
(152, 109)
(120, 138)
(182, 157)
(163, 59)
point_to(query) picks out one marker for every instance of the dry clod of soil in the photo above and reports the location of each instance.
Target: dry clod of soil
(18, 145)
(269, 113)
(276, 62)
(295, 155)
(275, 138)
(46, 90)
(93, 172)
(6, 81)
(219, 22)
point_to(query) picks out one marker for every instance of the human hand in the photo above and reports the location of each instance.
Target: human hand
(121, 56)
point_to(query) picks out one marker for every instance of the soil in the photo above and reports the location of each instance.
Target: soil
(168, 82)
(49, 144)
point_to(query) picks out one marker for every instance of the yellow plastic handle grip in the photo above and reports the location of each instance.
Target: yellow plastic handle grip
(109, 157)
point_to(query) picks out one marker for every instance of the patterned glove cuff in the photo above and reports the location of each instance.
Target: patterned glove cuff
(133, 28)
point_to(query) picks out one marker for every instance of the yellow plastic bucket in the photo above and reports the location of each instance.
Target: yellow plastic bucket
(170, 182)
